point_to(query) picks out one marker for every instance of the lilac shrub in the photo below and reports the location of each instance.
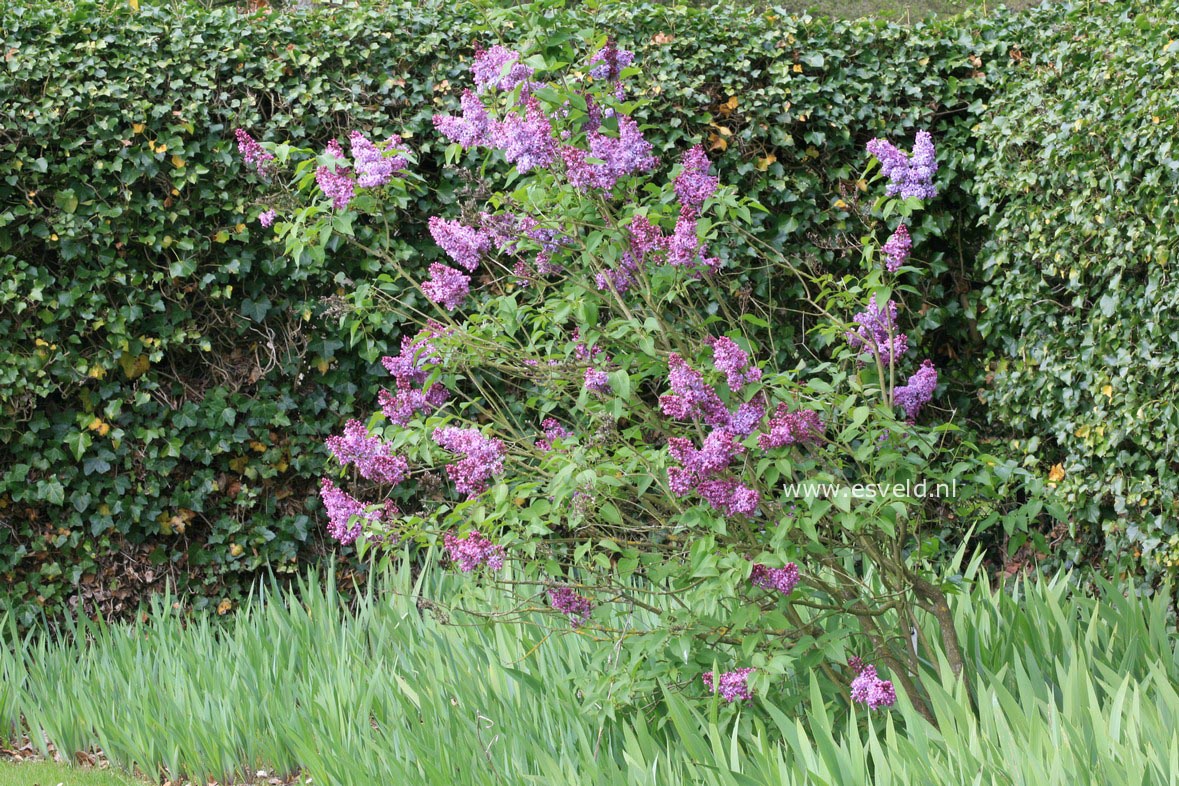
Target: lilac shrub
(583, 406)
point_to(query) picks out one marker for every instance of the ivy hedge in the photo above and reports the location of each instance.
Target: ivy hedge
(1078, 178)
(172, 377)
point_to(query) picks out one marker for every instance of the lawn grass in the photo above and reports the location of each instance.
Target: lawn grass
(49, 774)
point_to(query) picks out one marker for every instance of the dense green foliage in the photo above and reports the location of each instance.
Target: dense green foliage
(1069, 690)
(174, 376)
(1078, 174)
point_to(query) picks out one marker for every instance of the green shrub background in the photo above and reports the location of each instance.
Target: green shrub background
(174, 377)
(1078, 177)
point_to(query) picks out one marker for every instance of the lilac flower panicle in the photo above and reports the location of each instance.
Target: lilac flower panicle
(553, 430)
(347, 516)
(482, 458)
(499, 68)
(474, 128)
(336, 182)
(876, 334)
(869, 689)
(792, 428)
(691, 396)
(619, 156)
(253, 153)
(748, 416)
(465, 245)
(373, 457)
(729, 496)
(908, 176)
(733, 362)
(897, 249)
(607, 63)
(783, 579)
(732, 685)
(684, 248)
(572, 605)
(266, 218)
(597, 381)
(373, 167)
(694, 185)
(918, 392)
(473, 550)
(526, 140)
(645, 237)
(446, 286)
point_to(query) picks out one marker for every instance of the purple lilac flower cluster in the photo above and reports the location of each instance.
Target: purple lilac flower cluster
(918, 391)
(482, 458)
(499, 68)
(692, 398)
(694, 185)
(526, 140)
(597, 381)
(474, 128)
(347, 516)
(607, 63)
(869, 689)
(410, 370)
(732, 685)
(792, 428)
(465, 245)
(703, 471)
(446, 286)
(473, 550)
(336, 181)
(877, 334)
(267, 217)
(783, 579)
(373, 457)
(897, 249)
(253, 153)
(646, 239)
(553, 430)
(374, 168)
(623, 155)
(908, 175)
(572, 605)
(733, 362)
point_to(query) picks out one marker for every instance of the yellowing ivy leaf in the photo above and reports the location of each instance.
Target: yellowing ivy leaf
(138, 127)
(1056, 474)
(797, 68)
(764, 163)
(1108, 391)
(177, 162)
(134, 366)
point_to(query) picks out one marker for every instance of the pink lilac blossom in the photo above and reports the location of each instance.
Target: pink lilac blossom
(909, 176)
(336, 181)
(266, 219)
(597, 381)
(918, 392)
(465, 245)
(607, 63)
(526, 140)
(783, 579)
(728, 496)
(400, 407)
(869, 689)
(411, 370)
(474, 128)
(897, 249)
(621, 277)
(572, 605)
(373, 167)
(374, 458)
(792, 428)
(619, 156)
(731, 686)
(691, 396)
(693, 185)
(733, 362)
(748, 416)
(877, 334)
(446, 286)
(645, 237)
(473, 550)
(347, 516)
(499, 68)
(553, 430)
(684, 248)
(483, 458)
(253, 153)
